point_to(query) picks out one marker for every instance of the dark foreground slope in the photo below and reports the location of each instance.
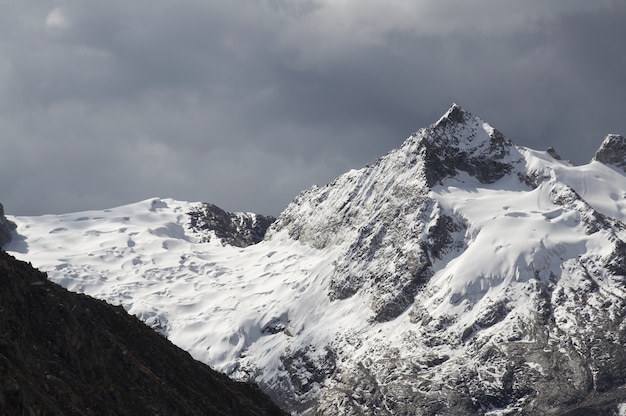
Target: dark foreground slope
(68, 354)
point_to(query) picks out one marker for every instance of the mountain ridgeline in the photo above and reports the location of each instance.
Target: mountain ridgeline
(458, 274)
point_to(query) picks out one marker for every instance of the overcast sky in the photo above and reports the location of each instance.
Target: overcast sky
(246, 103)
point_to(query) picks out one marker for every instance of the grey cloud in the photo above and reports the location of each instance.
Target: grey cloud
(246, 104)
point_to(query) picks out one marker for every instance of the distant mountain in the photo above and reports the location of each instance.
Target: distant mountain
(458, 274)
(68, 354)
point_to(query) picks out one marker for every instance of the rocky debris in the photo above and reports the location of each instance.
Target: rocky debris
(68, 354)
(237, 229)
(307, 368)
(612, 151)
(6, 228)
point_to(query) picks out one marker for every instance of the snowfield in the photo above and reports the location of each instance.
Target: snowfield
(383, 291)
(212, 299)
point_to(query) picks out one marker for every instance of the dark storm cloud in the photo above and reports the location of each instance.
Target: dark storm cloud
(245, 104)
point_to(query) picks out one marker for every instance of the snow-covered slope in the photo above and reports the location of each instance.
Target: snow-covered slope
(459, 274)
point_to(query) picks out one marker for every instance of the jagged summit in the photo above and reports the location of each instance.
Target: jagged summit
(459, 127)
(612, 151)
(455, 114)
(460, 141)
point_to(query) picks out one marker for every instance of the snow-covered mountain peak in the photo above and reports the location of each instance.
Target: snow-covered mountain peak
(460, 128)
(612, 151)
(458, 274)
(460, 141)
(455, 115)
(366, 213)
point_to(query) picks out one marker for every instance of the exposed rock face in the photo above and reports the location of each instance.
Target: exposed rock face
(564, 356)
(377, 207)
(68, 354)
(460, 141)
(612, 151)
(237, 229)
(6, 228)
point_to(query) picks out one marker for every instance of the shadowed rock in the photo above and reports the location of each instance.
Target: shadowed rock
(6, 228)
(68, 354)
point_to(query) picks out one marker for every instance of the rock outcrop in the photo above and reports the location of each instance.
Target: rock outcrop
(6, 228)
(612, 151)
(239, 229)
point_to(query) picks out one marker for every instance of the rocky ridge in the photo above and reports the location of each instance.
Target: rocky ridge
(239, 229)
